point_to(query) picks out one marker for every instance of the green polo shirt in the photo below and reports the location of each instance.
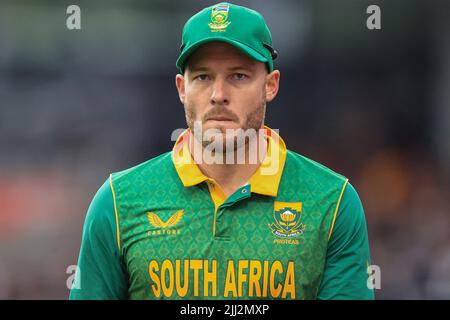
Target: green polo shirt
(163, 230)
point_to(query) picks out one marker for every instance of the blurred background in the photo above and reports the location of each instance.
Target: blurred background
(76, 105)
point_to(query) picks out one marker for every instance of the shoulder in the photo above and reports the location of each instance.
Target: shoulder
(154, 167)
(101, 204)
(305, 168)
(100, 221)
(350, 197)
(351, 212)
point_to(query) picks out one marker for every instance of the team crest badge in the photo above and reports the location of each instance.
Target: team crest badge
(287, 216)
(219, 18)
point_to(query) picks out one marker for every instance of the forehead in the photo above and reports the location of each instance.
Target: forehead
(220, 54)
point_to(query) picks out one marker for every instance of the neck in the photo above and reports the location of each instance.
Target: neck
(231, 175)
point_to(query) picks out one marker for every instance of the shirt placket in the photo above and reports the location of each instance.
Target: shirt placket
(221, 220)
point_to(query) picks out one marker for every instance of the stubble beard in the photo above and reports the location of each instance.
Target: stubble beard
(230, 142)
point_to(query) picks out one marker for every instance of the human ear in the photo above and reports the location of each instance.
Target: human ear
(180, 83)
(272, 85)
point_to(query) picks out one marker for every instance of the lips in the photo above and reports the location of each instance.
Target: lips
(220, 118)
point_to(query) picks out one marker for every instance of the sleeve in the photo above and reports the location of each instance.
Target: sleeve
(100, 272)
(348, 253)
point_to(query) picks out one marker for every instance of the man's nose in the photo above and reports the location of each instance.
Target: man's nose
(219, 95)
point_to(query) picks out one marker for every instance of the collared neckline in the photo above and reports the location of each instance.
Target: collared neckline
(265, 180)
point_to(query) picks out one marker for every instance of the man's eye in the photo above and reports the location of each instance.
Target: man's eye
(239, 76)
(202, 77)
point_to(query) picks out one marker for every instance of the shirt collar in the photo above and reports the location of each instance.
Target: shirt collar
(265, 180)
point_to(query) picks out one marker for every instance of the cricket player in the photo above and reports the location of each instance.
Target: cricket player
(221, 216)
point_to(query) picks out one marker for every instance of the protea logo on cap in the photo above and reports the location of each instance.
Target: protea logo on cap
(219, 18)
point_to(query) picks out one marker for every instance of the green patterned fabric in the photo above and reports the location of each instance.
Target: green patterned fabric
(165, 246)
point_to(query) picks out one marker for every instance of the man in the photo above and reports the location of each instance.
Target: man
(218, 222)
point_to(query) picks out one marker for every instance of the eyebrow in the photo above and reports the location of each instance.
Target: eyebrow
(198, 69)
(248, 68)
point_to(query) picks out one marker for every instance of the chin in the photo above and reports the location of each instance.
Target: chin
(222, 127)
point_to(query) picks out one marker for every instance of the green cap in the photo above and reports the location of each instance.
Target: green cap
(239, 26)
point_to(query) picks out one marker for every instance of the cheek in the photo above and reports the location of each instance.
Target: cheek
(254, 104)
(194, 95)
(194, 106)
(251, 99)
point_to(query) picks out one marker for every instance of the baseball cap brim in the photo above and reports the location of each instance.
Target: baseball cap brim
(252, 53)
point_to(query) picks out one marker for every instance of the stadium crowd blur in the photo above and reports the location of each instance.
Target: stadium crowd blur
(76, 105)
